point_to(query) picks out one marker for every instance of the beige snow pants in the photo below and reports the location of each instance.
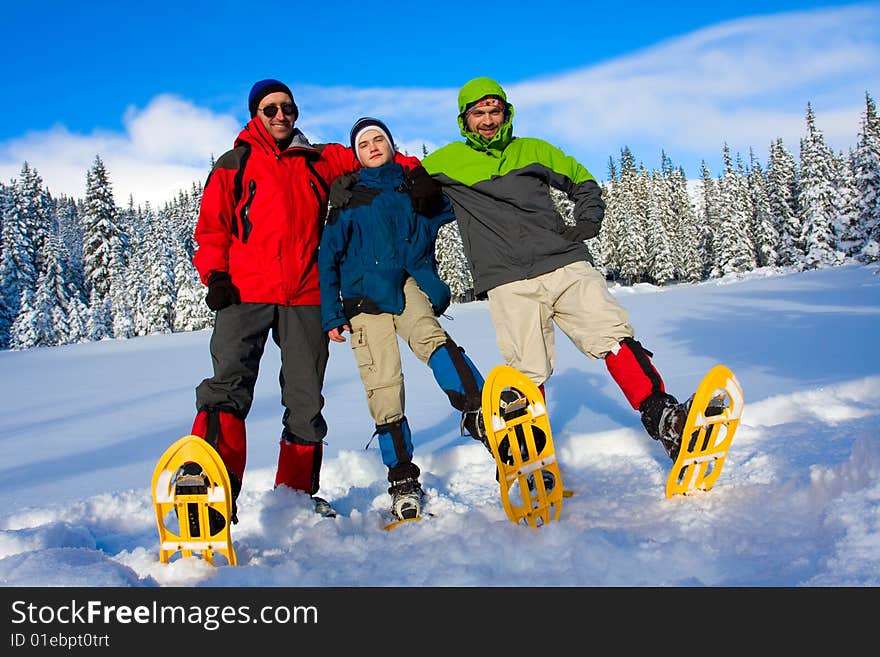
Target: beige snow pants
(576, 298)
(377, 353)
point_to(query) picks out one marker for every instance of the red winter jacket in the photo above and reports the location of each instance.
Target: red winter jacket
(262, 212)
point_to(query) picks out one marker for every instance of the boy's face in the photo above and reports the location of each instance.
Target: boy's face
(373, 150)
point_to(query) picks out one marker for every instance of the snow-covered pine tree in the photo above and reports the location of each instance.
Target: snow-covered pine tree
(122, 304)
(104, 255)
(190, 311)
(659, 217)
(632, 250)
(866, 164)
(55, 316)
(100, 320)
(157, 282)
(761, 225)
(101, 231)
(69, 311)
(819, 199)
(46, 323)
(25, 331)
(741, 174)
(18, 262)
(35, 205)
(78, 320)
(609, 231)
(6, 314)
(782, 197)
(708, 219)
(685, 233)
(734, 250)
(71, 236)
(451, 263)
(847, 228)
(138, 272)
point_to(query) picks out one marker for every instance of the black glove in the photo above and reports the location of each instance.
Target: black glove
(425, 192)
(588, 221)
(589, 212)
(221, 291)
(340, 190)
(585, 230)
(345, 192)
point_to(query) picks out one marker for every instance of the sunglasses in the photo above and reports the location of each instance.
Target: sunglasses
(272, 110)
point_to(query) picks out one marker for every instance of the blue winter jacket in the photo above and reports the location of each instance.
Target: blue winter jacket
(370, 246)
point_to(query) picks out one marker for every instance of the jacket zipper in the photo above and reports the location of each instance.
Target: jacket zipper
(246, 224)
(318, 199)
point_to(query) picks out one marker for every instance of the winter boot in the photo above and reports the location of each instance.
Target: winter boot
(472, 425)
(664, 418)
(405, 490)
(323, 508)
(513, 404)
(406, 499)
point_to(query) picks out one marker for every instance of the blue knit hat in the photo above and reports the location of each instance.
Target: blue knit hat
(265, 87)
(369, 123)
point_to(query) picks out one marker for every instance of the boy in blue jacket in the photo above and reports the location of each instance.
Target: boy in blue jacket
(379, 280)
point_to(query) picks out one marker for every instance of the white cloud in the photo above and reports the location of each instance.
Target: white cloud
(743, 82)
(174, 130)
(166, 147)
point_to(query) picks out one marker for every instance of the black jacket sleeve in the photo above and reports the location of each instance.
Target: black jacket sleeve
(589, 210)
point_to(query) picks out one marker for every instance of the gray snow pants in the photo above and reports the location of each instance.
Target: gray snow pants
(237, 343)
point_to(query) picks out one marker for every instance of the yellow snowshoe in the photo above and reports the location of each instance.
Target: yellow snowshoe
(191, 482)
(519, 437)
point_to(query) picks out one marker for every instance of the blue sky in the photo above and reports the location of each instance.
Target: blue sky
(157, 88)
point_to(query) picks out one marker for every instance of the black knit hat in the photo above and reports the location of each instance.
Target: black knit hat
(262, 89)
(369, 123)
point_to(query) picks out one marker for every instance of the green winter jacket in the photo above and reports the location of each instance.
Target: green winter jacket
(500, 192)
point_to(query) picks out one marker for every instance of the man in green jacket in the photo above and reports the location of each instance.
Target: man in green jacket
(533, 268)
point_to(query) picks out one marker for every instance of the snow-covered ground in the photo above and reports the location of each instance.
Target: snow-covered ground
(796, 504)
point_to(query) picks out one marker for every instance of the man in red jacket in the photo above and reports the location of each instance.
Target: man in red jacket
(259, 225)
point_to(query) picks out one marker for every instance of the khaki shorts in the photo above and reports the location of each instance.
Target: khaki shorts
(576, 298)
